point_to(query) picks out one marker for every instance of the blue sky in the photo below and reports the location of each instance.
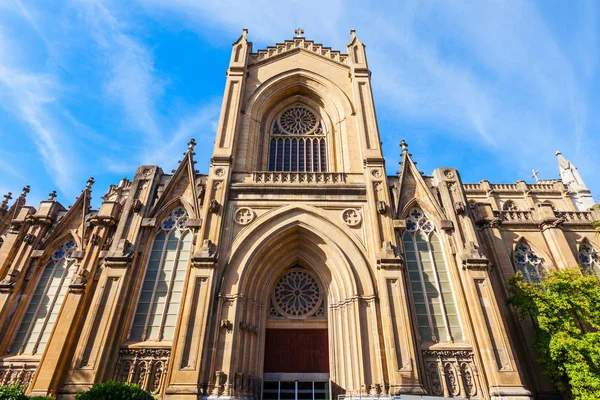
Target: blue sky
(97, 88)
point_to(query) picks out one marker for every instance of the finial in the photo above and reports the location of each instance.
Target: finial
(404, 146)
(90, 182)
(299, 32)
(534, 174)
(52, 195)
(26, 190)
(558, 153)
(352, 32)
(4, 204)
(191, 144)
(245, 32)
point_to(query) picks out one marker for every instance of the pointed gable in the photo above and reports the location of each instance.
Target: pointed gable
(181, 185)
(412, 187)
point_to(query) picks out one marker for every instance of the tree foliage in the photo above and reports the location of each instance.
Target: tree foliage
(13, 391)
(114, 391)
(565, 308)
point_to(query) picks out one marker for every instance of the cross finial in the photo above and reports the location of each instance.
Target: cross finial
(4, 204)
(299, 32)
(90, 182)
(191, 144)
(26, 190)
(52, 195)
(404, 146)
(534, 174)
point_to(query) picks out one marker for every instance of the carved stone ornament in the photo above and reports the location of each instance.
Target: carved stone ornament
(219, 172)
(244, 215)
(29, 238)
(136, 205)
(227, 325)
(376, 173)
(381, 207)
(145, 367)
(214, 206)
(449, 174)
(351, 217)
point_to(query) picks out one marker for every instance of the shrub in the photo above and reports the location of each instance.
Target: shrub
(12, 392)
(565, 308)
(41, 398)
(114, 391)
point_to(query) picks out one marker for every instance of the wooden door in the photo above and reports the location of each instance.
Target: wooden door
(296, 350)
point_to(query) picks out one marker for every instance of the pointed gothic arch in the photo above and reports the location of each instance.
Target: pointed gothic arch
(589, 257)
(304, 86)
(46, 297)
(159, 298)
(528, 260)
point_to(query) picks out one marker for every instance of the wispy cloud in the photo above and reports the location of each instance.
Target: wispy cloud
(131, 79)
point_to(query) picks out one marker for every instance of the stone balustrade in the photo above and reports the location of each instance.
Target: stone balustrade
(299, 178)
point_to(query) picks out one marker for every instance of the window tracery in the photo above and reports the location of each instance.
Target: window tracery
(528, 262)
(297, 295)
(589, 259)
(510, 206)
(158, 305)
(437, 314)
(46, 301)
(298, 142)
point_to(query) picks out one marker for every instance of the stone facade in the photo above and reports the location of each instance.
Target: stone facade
(185, 283)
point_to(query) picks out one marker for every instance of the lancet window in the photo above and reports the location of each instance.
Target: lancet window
(435, 307)
(46, 301)
(160, 297)
(528, 262)
(298, 141)
(589, 259)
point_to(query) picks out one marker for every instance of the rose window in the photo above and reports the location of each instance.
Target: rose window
(298, 120)
(297, 294)
(298, 142)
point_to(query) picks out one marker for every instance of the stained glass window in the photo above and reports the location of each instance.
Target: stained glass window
(436, 311)
(589, 259)
(158, 305)
(298, 142)
(297, 295)
(528, 262)
(46, 301)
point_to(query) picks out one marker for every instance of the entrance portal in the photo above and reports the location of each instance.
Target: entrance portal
(296, 362)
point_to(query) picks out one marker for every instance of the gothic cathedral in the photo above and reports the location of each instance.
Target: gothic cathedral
(296, 268)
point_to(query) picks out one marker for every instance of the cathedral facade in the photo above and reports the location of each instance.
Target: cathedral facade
(296, 268)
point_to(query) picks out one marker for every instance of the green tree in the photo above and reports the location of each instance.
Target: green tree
(565, 308)
(12, 392)
(114, 391)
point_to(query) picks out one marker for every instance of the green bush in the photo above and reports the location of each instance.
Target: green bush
(12, 392)
(114, 391)
(41, 398)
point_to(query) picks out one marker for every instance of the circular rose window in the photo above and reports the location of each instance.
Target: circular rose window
(298, 120)
(297, 294)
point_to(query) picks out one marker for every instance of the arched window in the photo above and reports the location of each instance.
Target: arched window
(298, 142)
(158, 305)
(46, 301)
(588, 257)
(437, 315)
(528, 262)
(510, 206)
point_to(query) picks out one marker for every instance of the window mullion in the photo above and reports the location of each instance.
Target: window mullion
(422, 281)
(37, 309)
(439, 288)
(52, 304)
(158, 271)
(170, 286)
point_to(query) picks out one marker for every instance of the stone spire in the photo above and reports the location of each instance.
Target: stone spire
(581, 195)
(569, 174)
